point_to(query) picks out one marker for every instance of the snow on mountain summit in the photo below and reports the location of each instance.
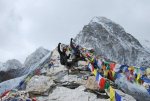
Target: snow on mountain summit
(10, 64)
(35, 57)
(13, 63)
(113, 42)
(106, 23)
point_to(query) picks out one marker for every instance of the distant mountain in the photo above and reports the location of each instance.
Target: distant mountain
(113, 42)
(13, 68)
(35, 57)
(10, 64)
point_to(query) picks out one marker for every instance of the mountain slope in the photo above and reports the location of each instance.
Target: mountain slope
(146, 44)
(110, 40)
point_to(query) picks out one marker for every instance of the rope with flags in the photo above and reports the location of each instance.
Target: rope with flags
(101, 81)
(111, 70)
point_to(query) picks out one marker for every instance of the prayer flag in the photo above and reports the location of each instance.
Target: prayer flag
(112, 94)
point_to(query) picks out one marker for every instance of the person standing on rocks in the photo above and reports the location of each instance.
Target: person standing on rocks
(76, 51)
(64, 58)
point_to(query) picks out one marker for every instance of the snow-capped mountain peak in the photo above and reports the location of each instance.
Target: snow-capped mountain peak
(112, 41)
(35, 56)
(101, 19)
(10, 64)
(13, 63)
(107, 24)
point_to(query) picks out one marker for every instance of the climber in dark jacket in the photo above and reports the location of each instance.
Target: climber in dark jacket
(77, 53)
(75, 49)
(63, 56)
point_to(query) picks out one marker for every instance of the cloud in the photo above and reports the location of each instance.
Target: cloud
(28, 24)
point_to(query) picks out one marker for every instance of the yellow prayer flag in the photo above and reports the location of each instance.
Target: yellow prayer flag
(106, 73)
(129, 68)
(95, 72)
(138, 77)
(113, 73)
(112, 94)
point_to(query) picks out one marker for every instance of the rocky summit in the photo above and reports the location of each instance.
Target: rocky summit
(54, 84)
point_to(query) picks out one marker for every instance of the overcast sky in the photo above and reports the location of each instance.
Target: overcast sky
(28, 24)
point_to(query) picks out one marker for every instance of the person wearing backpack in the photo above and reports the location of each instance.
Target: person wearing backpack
(63, 56)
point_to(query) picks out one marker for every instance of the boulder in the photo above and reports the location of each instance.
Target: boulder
(40, 85)
(91, 83)
(66, 94)
(74, 78)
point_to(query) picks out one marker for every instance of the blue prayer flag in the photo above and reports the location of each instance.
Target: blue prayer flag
(97, 76)
(117, 97)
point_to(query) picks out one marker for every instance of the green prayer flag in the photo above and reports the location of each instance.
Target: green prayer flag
(107, 85)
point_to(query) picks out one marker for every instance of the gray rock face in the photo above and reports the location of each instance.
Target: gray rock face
(39, 84)
(110, 40)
